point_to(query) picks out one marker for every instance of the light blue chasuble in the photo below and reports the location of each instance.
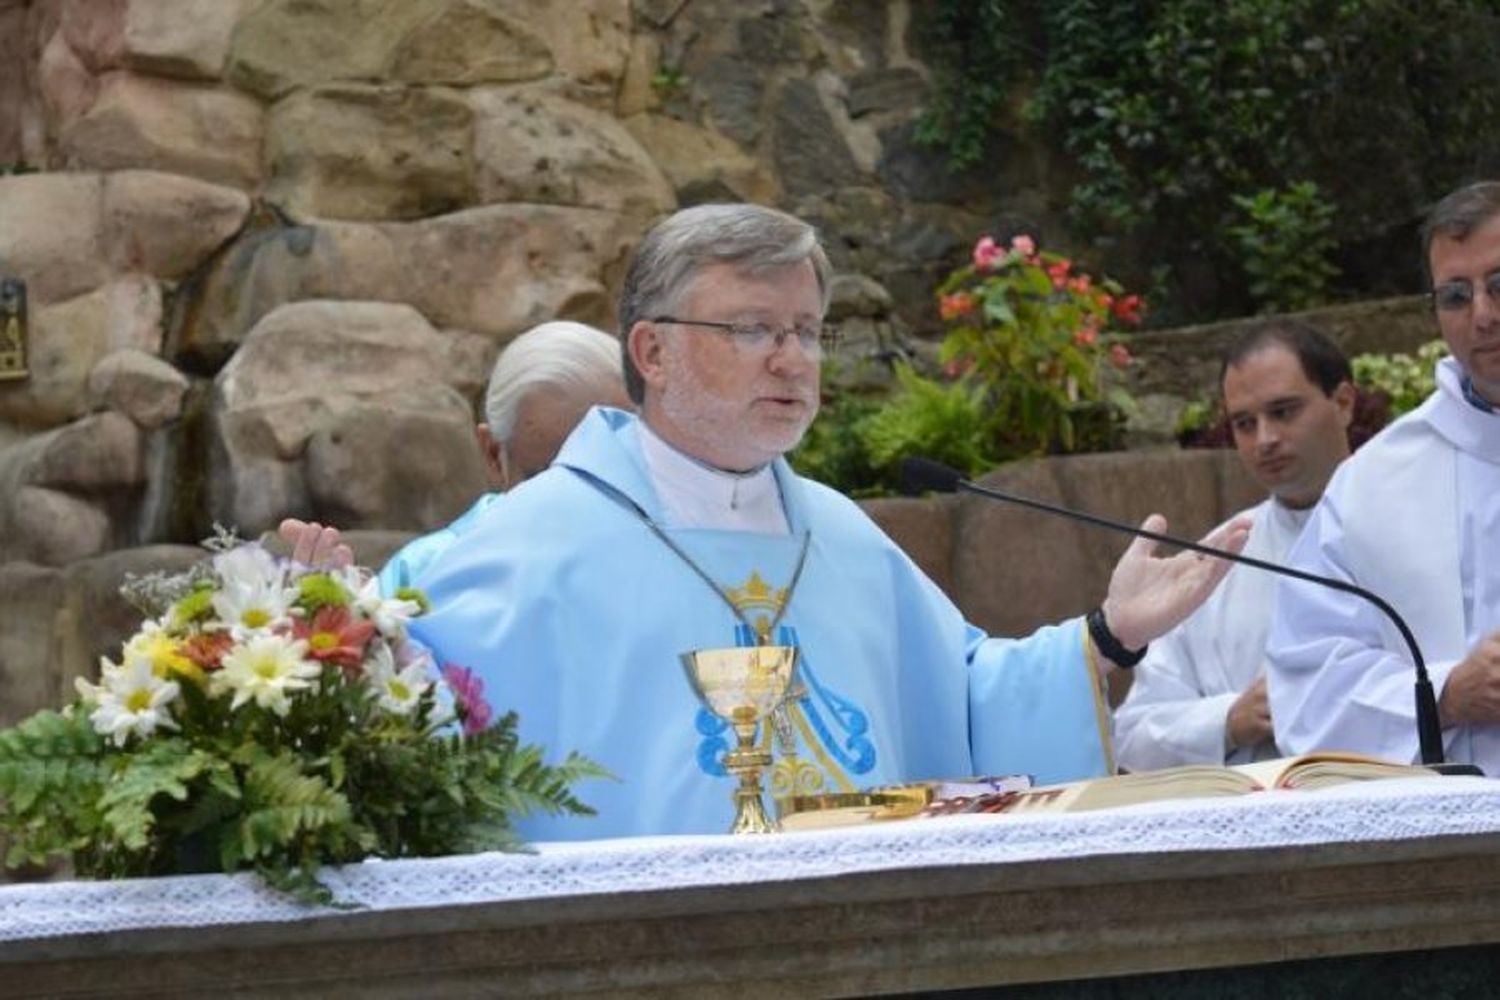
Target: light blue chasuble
(575, 614)
(413, 558)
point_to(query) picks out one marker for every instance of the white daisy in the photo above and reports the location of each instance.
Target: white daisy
(398, 690)
(252, 597)
(131, 701)
(267, 668)
(390, 615)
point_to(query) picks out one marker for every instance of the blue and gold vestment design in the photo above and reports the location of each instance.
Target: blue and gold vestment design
(575, 613)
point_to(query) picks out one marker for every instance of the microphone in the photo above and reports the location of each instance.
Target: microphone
(918, 475)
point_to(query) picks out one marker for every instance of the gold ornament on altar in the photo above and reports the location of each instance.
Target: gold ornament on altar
(743, 685)
(12, 329)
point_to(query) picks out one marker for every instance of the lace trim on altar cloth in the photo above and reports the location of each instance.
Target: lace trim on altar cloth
(1375, 811)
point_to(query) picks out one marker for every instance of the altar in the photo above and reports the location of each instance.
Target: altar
(887, 908)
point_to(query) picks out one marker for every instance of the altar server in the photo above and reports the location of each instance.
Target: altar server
(1414, 517)
(574, 595)
(1199, 696)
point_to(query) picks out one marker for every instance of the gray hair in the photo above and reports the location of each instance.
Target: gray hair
(561, 354)
(1457, 215)
(752, 237)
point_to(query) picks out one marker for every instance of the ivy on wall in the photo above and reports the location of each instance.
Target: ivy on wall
(1174, 109)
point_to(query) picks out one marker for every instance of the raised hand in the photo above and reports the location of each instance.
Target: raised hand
(1151, 594)
(314, 544)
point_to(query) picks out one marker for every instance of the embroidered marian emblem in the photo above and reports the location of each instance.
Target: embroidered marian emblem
(817, 738)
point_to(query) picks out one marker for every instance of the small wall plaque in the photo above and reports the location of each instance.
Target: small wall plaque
(12, 329)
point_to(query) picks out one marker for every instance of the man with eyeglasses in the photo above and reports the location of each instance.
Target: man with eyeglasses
(1414, 517)
(684, 528)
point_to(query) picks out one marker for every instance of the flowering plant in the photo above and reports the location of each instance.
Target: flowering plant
(276, 717)
(1038, 334)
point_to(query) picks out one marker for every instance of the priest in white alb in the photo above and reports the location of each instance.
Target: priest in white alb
(1414, 517)
(574, 595)
(1199, 696)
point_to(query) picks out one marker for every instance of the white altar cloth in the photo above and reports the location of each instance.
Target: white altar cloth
(1404, 809)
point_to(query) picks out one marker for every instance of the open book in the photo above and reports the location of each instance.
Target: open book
(1196, 781)
(1199, 781)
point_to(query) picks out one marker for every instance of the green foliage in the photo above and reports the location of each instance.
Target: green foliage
(947, 423)
(833, 450)
(332, 775)
(1173, 109)
(1405, 379)
(1284, 246)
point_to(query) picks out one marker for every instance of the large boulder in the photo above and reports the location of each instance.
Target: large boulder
(141, 386)
(188, 39)
(351, 151)
(66, 340)
(589, 39)
(495, 271)
(50, 234)
(137, 121)
(534, 146)
(285, 44)
(316, 370)
(54, 528)
(100, 454)
(165, 224)
(702, 165)
(30, 681)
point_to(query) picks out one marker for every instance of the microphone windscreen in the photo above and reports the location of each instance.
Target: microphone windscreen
(915, 476)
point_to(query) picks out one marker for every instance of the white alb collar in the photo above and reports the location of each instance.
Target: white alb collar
(697, 495)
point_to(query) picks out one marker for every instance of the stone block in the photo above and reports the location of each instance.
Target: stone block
(30, 596)
(51, 236)
(495, 271)
(811, 155)
(141, 386)
(95, 30)
(14, 83)
(637, 92)
(300, 373)
(55, 528)
(696, 160)
(534, 146)
(469, 43)
(347, 151)
(1016, 569)
(431, 473)
(206, 132)
(589, 39)
(187, 39)
(165, 224)
(133, 303)
(95, 455)
(66, 340)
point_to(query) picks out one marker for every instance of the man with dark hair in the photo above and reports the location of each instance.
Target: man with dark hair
(1412, 517)
(1199, 696)
(575, 594)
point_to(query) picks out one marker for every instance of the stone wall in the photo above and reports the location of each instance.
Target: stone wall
(271, 248)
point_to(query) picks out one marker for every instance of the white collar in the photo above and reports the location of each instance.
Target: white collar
(697, 495)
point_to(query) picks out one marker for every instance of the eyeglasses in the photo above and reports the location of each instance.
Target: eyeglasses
(1453, 296)
(763, 338)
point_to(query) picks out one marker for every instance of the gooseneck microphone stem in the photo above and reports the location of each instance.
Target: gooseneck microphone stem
(933, 475)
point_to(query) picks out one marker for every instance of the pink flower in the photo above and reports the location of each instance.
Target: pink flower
(1058, 271)
(1086, 336)
(1119, 355)
(1023, 245)
(986, 254)
(1079, 283)
(468, 692)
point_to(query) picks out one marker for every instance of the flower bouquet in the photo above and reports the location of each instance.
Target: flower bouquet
(275, 717)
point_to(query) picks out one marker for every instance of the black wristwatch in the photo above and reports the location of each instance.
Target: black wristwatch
(1109, 644)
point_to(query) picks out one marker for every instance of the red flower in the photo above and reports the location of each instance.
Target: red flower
(333, 636)
(958, 304)
(207, 649)
(1120, 356)
(1086, 336)
(1129, 309)
(986, 253)
(1058, 271)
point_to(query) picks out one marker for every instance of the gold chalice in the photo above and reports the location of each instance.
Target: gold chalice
(742, 685)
